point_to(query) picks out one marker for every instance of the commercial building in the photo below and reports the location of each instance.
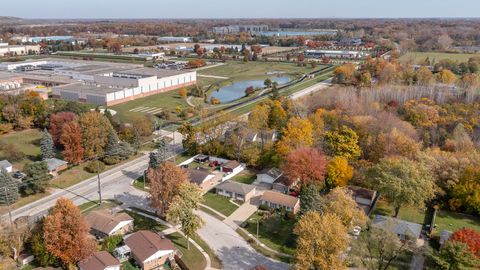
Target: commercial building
(232, 29)
(14, 50)
(175, 39)
(335, 54)
(101, 83)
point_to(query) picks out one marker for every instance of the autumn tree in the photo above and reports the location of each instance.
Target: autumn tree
(402, 182)
(183, 92)
(297, 134)
(71, 139)
(339, 201)
(339, 172)
(46, 145)
(322, 239)
(182, 208)
(57, 121)
(95, 129)
(343, 143)
(446, 77)
(278, 116)
(344, 74)
(37, 245)
(469, 237)
(65, 232)
(424, 76)
(37, 178)
(452, 256)
(164, 185)
(189, 141)
(306, 164)
(466, 193)
(258, 119)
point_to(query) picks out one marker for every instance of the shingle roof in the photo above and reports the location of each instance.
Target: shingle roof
(360, 192)
(235, 187)
(231, 164)
(197, 176)
(98, 261)
(105, 222)
(146, 243)
(273, 172)
(397, 226)
(54, 163)
(5, 164)
(279, 198)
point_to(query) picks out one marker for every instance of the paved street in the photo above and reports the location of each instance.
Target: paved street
(231, 248)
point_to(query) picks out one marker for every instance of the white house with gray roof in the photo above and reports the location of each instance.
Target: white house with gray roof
(5, 165)
(403, 229)
(236, 191)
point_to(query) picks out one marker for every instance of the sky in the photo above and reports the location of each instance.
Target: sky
(165, 9)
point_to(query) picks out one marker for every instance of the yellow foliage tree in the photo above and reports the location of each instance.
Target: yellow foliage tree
(183, 92)
(322, 239)
(339, 201)
(446, 77)
(339, 172)
(424, 76)
(298, 133)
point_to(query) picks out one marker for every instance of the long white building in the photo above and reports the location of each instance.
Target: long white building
(13, 50)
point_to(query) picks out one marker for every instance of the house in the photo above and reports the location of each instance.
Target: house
(7, 166)
(103, 223)
(444, 237)
(363, 196)
(231, 166)
(269, 176)
(236, 191)
(101, 260)
(277, 200)
(55, 165)
(403, 229)
(283, 184)
(150, 250)
(24, 259)
(201, 177)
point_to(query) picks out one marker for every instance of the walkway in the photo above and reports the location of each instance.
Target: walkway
(212, 76)
(242, 213)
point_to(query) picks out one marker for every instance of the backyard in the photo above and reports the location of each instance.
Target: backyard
(27, 142)
(219, 203)
(245, 177)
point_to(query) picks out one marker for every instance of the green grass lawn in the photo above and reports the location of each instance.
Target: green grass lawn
(276, 232)
(261, 249)
(407, 213)
(215, 261)
(245, 177)
(192, 257)
(94, 206)
(452, 221)
(144, 223)
(419, 57)
(26, 141)
(219, 203)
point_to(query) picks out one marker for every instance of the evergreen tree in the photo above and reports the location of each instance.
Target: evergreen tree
(113, 147)
(155, 160)
(37, 178)
(46, 145)
(8, 189)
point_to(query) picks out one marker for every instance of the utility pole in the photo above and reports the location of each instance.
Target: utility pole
(98, 180)
(144, 178)
(8, 206)
(257, 229)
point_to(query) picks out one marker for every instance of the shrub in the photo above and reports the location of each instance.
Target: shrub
(263, 207)
(111, 242)
(215, 101)
(111, 160)
(5, 128)
(95, 166)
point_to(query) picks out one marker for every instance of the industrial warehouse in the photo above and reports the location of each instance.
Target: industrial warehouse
(101, 83)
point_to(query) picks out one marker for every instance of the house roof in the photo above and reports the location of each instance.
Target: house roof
(235, 187)
(363, 193)
(283, 180)
(273, 172)
(279, 198)
(445, 236)
(197, 176)
(98, 261)
(231, 164)
(146, 243)
(54, 163)
(397, 226)
(5, 164)
(105, 222)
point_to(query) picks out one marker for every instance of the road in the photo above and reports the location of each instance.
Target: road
(234, 252)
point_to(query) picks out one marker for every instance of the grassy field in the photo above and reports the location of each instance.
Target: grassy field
(275, 232)
(451, 221)
(407, 213)
(219, 203)
(245, 177)
(419, 57)
(192, 257)
(26, 141)
(144, 223)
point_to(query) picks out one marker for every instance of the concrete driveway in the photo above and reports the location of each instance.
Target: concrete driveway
(243, 212)
(234, 252)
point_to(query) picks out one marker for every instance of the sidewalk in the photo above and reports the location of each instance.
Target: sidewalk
(242, 213)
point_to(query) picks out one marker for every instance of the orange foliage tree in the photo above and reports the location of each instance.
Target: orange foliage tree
(469, 237)
(71, 139)
(306, 164)
(57, 121)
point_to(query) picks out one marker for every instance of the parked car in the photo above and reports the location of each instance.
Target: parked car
(18, 175)
(356, 231)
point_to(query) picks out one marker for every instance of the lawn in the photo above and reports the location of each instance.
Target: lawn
(192, 257)
(419, 57)
(245, 177)
(407, 213)
(215, 261)
(26, 141)
(261, 249)
(274, 231)
(219, 203)
(452, 221)
(94, 206)
(141, 222)
(138, 184)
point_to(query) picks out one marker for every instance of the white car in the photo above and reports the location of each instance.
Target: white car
(356, 230)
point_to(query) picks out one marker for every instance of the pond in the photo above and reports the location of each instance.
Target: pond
(236, 90)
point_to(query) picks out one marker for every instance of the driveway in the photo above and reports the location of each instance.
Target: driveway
(234, 252)
(243, 212)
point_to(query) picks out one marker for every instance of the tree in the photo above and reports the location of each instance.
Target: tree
(258, 119)
(322, 239)
(402, 182)
(37, 178)
(8, 189)
(189, 140)
(466, 193)
(164, 185)
(277, 117)
(339, 201)
(424, 76)
(117, 149)
(267, 83)
(297, 134)
(71, 139)
(38, 248)
(339, 172)
(469, 237)
(65, 232)
(95, 129)
(378, 249)
(57, 121)
(343, 143)
(182, 207)
(46, 145)
(446, 77)
(307, 165)
(311, 197)
(452, 256)
(183, 92)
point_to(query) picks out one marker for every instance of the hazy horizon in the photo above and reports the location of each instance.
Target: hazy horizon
(249, 9)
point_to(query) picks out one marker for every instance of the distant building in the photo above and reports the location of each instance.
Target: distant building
(5, 165)
(100, 260)
(403, 229)
(103, 224)
(277, 200)
(14, 50)
(235, 190)
(335, 54)
(234, 29)
(56, 165)
(176, 39)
